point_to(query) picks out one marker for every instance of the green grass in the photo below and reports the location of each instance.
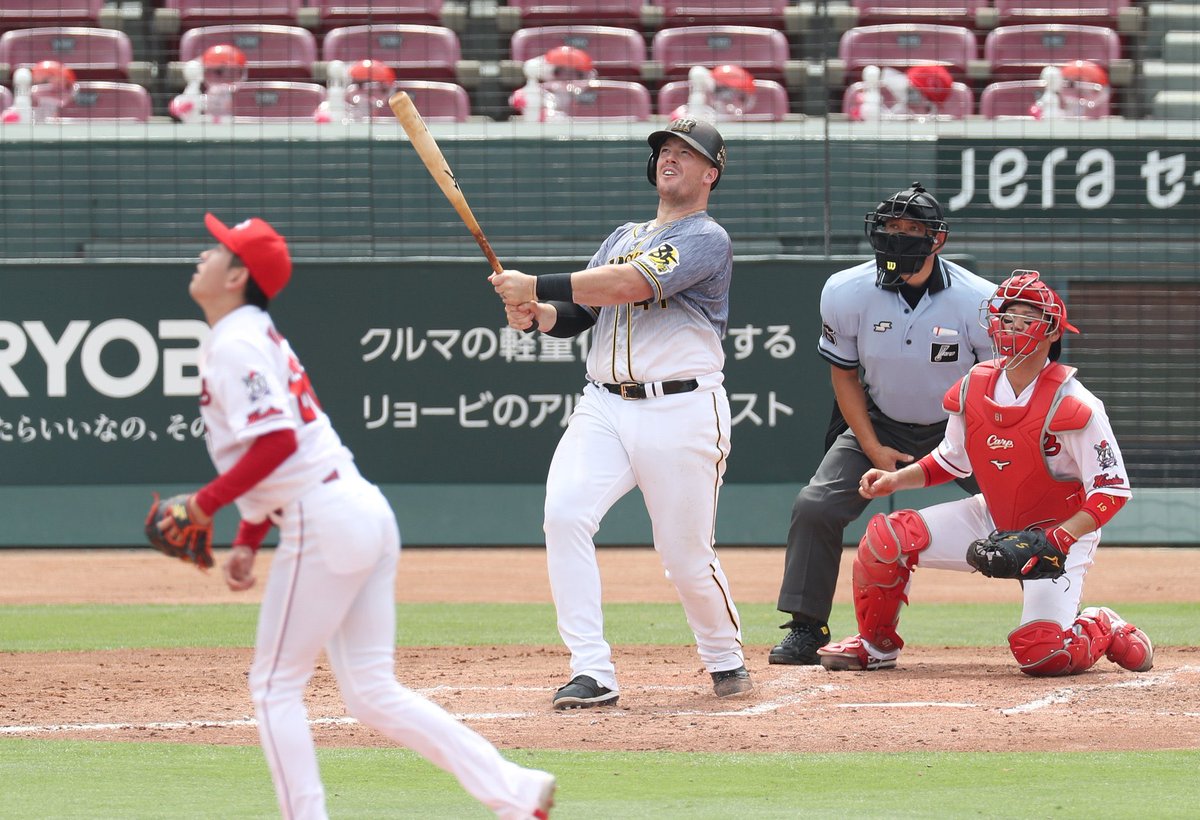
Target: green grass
(92, 627)
(73, 779)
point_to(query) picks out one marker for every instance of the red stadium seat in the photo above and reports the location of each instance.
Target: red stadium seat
(335, 13)
(761, 51)
(942, 12)
(770, 101)
(900, 45)
(617, 53)
(520, 14)
(272, 52)
(723, 13)
(1013, 98)
(101, 100)
(959, 105)
(1021, 52)
(415, 52)
(1081, 12)
(437, 101)
(608, 100)
(93, 53)
(33, 13)
(277, 100)
(6, 98)
(180, 15)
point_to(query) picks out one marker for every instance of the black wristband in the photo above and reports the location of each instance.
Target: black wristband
(554, 287)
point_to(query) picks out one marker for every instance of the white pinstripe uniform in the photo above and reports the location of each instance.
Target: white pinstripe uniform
(332, 580)
(673, 447)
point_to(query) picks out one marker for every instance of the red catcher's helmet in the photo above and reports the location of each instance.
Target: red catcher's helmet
(932, 81)
(1083, 71)
(1023, 287)
(372, 71)
(735, 77)
(52, 72)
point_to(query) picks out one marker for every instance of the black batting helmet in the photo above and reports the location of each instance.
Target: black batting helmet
(702, 136)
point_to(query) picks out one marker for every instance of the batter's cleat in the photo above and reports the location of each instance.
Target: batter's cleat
(852, 655)
(583, 693)
(732, 682)
(545, 800)
(1130, 647)
(800, 646)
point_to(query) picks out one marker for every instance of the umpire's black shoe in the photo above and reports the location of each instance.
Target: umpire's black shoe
(800, 646)
(583, 693)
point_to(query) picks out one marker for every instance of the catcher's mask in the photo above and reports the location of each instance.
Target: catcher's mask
(897, 254)
(702, 136)
(1016, 335)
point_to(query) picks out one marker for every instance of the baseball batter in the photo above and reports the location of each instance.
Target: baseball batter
(1044, 454)
(654, 413)
(332, 580)
(908, 321)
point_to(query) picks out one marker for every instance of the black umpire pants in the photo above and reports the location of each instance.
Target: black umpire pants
(829, 502)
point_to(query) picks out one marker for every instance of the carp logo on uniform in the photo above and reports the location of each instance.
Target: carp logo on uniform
(256, 385)
(828, 333)
(882, 327)
(1105, 456)
(665, 258)
(998, 443)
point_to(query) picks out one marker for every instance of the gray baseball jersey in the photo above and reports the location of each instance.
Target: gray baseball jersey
(910, 356)
(677, 333)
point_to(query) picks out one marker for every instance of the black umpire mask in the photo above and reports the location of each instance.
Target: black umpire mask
(898, 255)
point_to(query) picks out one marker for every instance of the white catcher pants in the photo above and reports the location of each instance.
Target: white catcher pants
(332, 587)
(674, 448)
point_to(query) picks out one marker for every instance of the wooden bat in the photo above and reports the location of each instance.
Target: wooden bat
(427, 149)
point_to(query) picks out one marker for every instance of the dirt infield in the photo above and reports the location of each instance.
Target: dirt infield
(938, 699)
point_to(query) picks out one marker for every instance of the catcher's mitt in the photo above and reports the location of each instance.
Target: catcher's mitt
(1025, 554)
(182, 538)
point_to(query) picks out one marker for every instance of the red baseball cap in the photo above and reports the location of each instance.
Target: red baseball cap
(260, 247)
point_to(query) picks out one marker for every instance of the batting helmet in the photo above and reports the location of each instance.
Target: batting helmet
(371, 71)
(735, 77)
(52, 72)
(702, 136)
(898, 254)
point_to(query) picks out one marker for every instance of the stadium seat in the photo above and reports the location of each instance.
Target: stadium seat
(102, 100)
(959, 105)
(33, 13)
(942, 12)
(761, 51)
(1013, 98)
(1021, 52)
(520, 14)
(617, 53)
(93, 53)
(900, 45)
(180, 15)
(1081, 12)
(335, 13)
(416, 52)
(768, 13)
(770, 100)
(277, 100)
(437, 101)
(6, 98)
(608, 100)
(272, 52)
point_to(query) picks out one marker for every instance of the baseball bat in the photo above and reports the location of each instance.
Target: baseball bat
(429, 152)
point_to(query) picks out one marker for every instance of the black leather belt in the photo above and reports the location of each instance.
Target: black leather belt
(637, 390)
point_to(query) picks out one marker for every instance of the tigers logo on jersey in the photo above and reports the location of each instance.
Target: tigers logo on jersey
(664, 258)
(256, 385)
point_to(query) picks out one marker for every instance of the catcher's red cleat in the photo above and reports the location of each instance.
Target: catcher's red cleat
(1130, 648)
(852, 655)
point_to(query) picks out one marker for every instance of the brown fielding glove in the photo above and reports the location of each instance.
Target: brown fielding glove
(1025, 554)
(183, 538)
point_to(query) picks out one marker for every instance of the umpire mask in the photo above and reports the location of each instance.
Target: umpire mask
(897, 254)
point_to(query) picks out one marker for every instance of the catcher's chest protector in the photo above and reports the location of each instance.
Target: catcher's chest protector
(1007, 449)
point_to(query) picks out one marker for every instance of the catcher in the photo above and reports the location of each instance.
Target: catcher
(1050, 473)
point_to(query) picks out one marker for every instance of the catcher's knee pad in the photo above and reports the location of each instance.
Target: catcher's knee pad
(1045, 649)
(888, 549)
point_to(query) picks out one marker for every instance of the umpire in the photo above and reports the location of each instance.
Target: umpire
(909, 321)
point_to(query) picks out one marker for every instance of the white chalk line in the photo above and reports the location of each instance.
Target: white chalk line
(1069, 693)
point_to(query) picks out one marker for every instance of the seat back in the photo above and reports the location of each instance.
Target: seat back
(194, 13)
(437, 101)
(1021, 52)
(770, 101)
(606, 100)
(334, 13)
(6, 98)
(1082, 12)
(32, 13)
(723, 12)
(1014, 98)
(620, 13)
(277, 100)
(102, 100)
(414, 51)
(959, 105)
(617, 53)
(761, 51)
(900, 45)
(272, 52)
(93, 53)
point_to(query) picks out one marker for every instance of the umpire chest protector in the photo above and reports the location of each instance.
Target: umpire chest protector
(1008, 445)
